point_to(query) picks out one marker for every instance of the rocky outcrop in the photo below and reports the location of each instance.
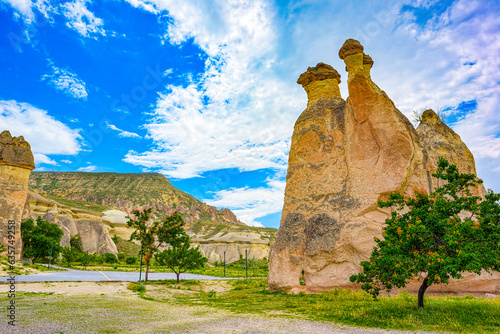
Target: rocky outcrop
(89, 224)
(126, 192)
(16, 164)
(439, 140)
(345, 155)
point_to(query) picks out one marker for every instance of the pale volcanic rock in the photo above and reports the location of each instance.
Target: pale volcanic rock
(320, 81)
(16, 164)
(115, 217)
(344, 157)
(89, 224)
(440, 140)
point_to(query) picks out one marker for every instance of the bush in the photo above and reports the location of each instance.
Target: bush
(108, 258)
(121, 257)
(131, 260)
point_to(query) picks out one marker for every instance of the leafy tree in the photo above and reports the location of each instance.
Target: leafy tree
(131, 260)
(437, 236)
(181, 258)
(69, 254)
(76, 242)
(38, 239)
(153, 235)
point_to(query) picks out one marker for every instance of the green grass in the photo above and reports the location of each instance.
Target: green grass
(356, 308)
(127, 247)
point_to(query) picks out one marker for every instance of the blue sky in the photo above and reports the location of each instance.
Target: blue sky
(204, 91)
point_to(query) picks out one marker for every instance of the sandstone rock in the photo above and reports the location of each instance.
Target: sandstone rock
(344, 157)
(88, 224)
(16, 164)
(115, 217)
(320, 81)
(439, 140)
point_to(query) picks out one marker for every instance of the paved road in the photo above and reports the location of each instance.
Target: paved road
(95, 276)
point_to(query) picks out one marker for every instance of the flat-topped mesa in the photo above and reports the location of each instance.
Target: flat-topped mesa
(320, 81)
(16, 164)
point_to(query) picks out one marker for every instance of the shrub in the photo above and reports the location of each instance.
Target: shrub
(121, 257)
(131, 260)
(108, 258)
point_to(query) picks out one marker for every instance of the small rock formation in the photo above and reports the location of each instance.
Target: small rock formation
(16, 164)
(345, 155)
(89, 224)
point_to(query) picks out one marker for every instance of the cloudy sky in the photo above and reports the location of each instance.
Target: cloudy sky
(204, 91)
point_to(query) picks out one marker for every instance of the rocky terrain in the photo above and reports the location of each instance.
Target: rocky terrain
(126, 192)
(117, 195)
(16, 164)
(346, 155)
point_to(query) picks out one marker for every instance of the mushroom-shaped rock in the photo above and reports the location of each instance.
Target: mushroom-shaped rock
(16, 163)
(350, 47)
(320, 81)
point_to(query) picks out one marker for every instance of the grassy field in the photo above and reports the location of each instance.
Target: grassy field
(256, 268)
(236, 306)
(466, 314)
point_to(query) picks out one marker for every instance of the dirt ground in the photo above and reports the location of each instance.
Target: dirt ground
(109, 307)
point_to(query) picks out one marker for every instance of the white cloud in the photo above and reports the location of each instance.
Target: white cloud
(123, 133)
(67, 161)
(240, 112)
(45, 134)
(67, 82)
(249, 204)
(25, 8)
(43, 159)
(82, 20)
(90, 168)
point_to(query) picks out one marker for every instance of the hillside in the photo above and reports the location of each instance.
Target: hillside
(126, 191)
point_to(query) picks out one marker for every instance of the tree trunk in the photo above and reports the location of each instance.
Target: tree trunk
(178, 274)
(421, 292)
(147, 270)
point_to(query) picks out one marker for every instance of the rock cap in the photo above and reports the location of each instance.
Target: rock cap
(429, 116)
(321, 71)
(15, 151)
(367, 60)
(350, 47)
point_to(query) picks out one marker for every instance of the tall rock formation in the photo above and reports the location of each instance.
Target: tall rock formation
(16, 164)
(344, 157)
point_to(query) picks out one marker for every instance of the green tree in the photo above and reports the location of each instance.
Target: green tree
(38, 239)
(76, 242)
(69, 255)
(181, 258)
(153, 235)
(436, 236)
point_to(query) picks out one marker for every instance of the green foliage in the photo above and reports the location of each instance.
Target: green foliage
(439, 235)
(121, 257)
(76, 242)
(69, 254)
(38, 239)
(115, 238)
(131, 260)
(137, 287)
(153, 235)
(181, 258)
(108, 258)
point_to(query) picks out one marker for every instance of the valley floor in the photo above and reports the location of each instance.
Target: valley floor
(109, 307)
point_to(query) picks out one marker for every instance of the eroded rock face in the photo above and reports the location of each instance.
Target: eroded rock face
(344, 157)
(89, 224)
(16, 164)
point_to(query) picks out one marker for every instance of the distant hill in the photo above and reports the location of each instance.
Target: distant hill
(126, 191)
